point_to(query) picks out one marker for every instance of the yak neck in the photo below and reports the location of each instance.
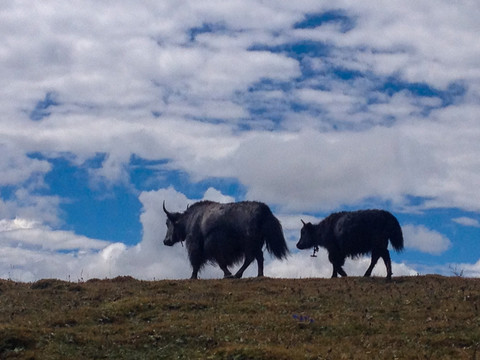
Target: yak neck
(324, 229)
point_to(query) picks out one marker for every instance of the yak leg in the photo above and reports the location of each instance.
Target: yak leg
(223, 265)
(195, 260)
(226, 273)
(194, 274)
(388, 263)
(337, 269)
(196, 268)
(337, 263)
(375, 257)
(246, 263)
(259, 258)
(341, 271)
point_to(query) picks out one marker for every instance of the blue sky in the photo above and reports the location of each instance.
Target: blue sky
(310, 107)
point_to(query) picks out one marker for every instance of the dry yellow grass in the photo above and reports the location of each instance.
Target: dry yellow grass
(428, 317)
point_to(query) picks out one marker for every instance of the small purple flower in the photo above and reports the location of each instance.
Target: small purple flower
(304, 319)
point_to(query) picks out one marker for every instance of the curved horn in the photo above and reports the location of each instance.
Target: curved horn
(169, 215)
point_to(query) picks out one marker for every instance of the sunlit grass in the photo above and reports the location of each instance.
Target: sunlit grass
(428, 317)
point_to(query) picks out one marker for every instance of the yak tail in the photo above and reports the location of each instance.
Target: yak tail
(396, 237)
(274, 239)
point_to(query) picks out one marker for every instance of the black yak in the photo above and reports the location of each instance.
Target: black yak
(225, 234)
(353, 234)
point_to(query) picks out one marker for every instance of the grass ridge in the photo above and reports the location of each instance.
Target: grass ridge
(354, 318)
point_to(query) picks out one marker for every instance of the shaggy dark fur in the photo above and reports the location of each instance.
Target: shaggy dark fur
(353, 234)
(225, 234)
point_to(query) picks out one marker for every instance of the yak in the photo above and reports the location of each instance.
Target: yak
(225, 234)
(354, 233)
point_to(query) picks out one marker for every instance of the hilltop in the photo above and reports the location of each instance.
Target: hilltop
(424, 317)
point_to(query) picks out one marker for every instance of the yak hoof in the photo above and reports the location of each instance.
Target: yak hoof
(228, 276)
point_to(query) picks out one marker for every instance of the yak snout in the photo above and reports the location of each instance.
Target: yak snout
(301, 245)
(168, 242)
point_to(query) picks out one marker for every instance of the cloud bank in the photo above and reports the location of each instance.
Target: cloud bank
(83, 259)
(307, 107)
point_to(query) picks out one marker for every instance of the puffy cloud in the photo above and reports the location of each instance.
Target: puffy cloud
(24, 232)
(213, 194)
(31, 251)
(428, 32)
(25, 204)
(302, 265)
(421, 238)
(312, 170)
(16, 167)
(469, 270)
(110, 73)
(308, 118)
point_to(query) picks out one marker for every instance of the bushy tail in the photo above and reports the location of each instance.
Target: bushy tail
(274, 239)
(396, 236)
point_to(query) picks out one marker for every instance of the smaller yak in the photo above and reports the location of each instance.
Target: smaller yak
(353, 234)
(225, 234)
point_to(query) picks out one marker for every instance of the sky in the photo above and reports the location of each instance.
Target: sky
(109, 108)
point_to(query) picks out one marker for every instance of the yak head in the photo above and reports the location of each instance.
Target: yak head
(175, 228)
(307, 236)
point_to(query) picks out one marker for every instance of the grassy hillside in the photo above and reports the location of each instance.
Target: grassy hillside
(427, 317)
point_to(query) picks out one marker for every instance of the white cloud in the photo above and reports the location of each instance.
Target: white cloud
(110, 73)
(213, 194)
(434, 35)
(468, 270)
(24, 232)
(421, 238)
(302, 265)
(311, 170)
(462, 269)
(467, 221)
(24, 203)
(31, 251)
(135, 79)
(19, 168)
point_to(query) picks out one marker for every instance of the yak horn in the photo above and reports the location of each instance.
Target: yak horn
(303, 222)
(169, 215)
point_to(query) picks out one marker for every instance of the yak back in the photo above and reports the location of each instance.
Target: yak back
(356, 233)
(208, 216)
